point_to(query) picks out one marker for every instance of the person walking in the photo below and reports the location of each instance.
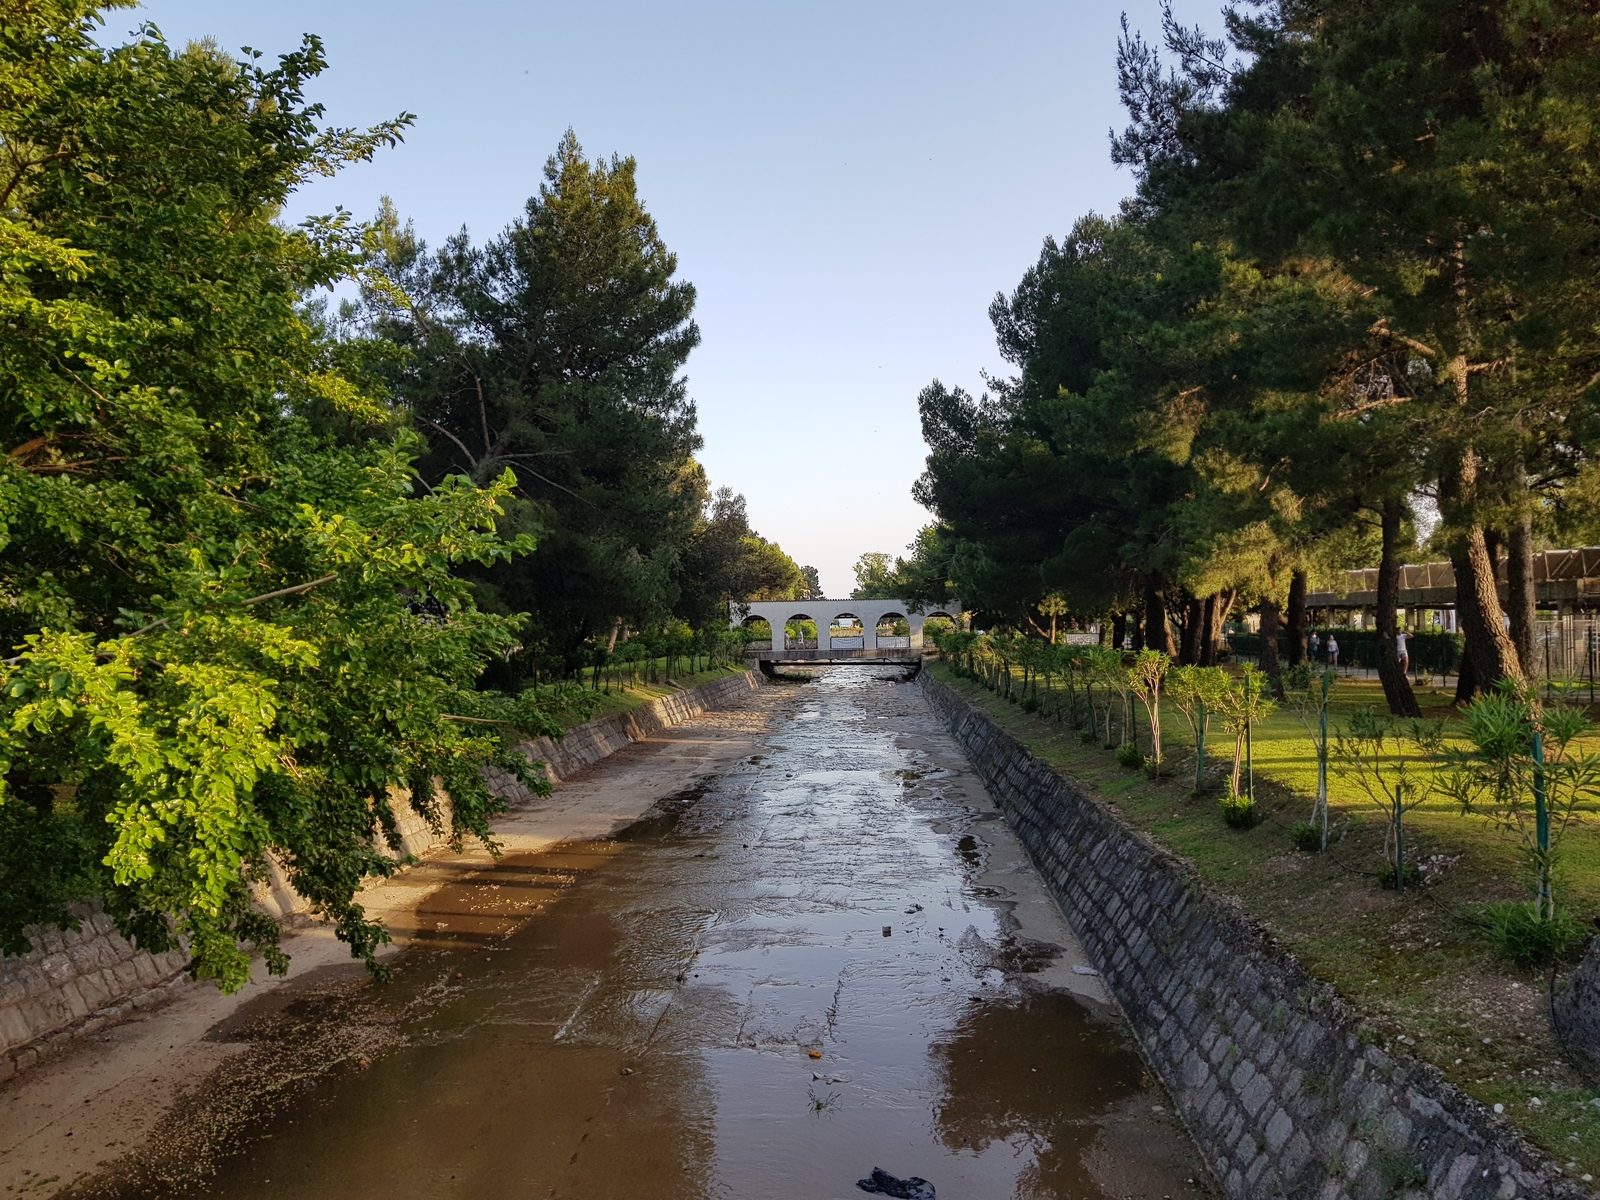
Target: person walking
(1316, 644)
(1405, 655)
(1333, 652)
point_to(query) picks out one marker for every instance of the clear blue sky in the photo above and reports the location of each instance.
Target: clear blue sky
(846, 184)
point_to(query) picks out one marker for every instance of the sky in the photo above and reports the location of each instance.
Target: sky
(847, 185)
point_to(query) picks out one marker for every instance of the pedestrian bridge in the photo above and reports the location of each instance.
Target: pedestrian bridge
(836, 631)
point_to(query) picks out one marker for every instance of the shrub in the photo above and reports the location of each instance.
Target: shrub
(1413, 876)
(1130, 756)
(1030, 704)
(1524, 939)
(1239, 812)
(1306, 836)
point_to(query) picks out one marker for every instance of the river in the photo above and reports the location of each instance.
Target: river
(827, 957)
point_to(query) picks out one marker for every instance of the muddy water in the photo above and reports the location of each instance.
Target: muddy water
(830, 958)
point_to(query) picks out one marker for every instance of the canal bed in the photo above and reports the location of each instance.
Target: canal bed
(831, 957)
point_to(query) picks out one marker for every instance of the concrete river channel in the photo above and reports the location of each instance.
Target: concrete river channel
(824, 956)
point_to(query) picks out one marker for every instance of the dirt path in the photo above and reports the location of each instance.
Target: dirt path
(66, 1119)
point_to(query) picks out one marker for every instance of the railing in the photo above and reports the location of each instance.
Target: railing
(812, 654)
(848, 643)
(894, 643)
(803, 643)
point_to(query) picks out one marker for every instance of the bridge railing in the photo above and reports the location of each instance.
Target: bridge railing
(894, 643)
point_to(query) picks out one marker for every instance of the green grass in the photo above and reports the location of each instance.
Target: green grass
(1417, 965)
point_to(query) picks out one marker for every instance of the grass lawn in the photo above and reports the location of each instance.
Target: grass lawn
(1416, 965)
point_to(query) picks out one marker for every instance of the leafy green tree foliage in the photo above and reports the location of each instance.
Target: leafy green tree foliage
(228, 635)
(556, 349)
(724, 559)
(875, 578)
(1440, 155)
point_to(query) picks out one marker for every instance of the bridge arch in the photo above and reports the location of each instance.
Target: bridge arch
(878, 621)
(892, 631)
(795, 634)
(846, 631)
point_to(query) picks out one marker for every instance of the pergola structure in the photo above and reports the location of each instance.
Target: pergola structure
(1563, 580)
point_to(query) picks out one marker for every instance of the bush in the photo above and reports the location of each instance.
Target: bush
(1239, 812)
(1130, 755)
(1523, 939)
(1413, 876)
(1030, 704)
(1306, 837)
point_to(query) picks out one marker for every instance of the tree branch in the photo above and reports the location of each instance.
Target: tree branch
(288, 591)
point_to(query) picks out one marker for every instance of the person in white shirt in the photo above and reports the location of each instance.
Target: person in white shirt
(1333, 652)
(1405, 655)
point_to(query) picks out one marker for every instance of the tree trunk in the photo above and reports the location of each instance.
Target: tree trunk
(1270, 615)
(1296, 618)
(1466, 677)
(1206, 646)
(1189, 654)
(1138, 633)
(1483, 623)
(1396, 687)
(1488, 655)
(1519, 591)
(1157, 632)
(1221, 605)
(1119, 630)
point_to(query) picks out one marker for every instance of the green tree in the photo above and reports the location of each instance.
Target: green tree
(557, 349)
(232, 633)
(1428, 149)
(876, 578)
(725, 560)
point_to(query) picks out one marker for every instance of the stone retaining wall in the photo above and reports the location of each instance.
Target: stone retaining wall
(587, 744)
(78, 981)
(1269, 1067)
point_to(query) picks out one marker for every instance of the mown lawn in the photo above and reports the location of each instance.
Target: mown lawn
(1418, 965)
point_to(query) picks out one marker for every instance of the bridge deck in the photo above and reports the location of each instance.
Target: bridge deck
(825, 657)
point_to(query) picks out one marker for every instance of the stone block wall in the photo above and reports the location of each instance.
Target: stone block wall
(74, 982)
(587, 744)
(1268, 1066)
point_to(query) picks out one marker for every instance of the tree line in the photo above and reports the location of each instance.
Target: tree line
(272, 572)
(1351, 296)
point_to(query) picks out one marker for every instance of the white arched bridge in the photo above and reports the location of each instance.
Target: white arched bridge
(836, 631)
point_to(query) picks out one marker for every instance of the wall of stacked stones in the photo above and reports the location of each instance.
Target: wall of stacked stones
(589, 743)
(1269, 1067)
(75, 982)
(78, 981)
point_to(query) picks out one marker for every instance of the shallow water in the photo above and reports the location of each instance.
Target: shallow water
(830, 958)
